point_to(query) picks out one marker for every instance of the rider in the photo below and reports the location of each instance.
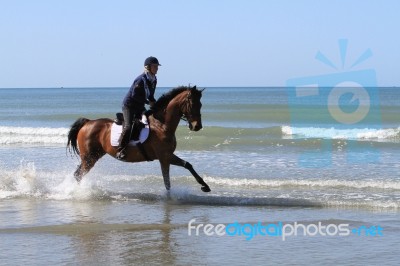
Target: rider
(140, 93)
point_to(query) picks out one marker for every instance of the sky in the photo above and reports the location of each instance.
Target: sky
(210, 43)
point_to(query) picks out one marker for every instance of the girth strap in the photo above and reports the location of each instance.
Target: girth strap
(143, 151)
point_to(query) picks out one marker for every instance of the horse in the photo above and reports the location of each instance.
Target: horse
(90, 139)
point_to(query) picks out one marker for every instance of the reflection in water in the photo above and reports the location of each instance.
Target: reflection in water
(127, 245)
(107, 232)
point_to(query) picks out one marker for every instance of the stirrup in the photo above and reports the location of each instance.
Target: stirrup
(121, 155)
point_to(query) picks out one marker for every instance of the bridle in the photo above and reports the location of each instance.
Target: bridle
(186, 109)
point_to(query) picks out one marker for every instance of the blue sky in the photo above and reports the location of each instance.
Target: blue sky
(89, 43)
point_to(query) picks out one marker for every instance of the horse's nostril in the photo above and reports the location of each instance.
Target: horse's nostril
(195, 126)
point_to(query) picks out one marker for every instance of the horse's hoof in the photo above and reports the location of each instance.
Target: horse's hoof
(168, 195)
(205, 189)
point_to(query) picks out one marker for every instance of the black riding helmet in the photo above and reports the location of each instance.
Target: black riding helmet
(151, 61)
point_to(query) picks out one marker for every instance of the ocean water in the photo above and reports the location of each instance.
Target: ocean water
(266, 157)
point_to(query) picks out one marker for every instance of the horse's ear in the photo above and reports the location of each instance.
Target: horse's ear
(202, 89)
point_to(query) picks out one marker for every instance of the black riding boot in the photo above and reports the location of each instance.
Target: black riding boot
(123, 142)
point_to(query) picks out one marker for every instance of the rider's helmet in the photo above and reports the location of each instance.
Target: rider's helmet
(151, 61)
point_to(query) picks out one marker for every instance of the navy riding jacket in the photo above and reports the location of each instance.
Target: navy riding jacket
(140, 93)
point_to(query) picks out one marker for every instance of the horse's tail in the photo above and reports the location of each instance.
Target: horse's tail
(73, 134)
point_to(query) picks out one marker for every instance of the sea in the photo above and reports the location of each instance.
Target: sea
(296, 178)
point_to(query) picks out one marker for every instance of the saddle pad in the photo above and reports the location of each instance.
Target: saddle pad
(116, 131)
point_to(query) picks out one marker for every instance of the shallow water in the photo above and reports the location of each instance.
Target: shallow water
(260, 167)
(126, 232)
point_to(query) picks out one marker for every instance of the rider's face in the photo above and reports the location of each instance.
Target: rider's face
(153, 69)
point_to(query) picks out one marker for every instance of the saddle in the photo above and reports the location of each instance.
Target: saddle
(137, 125)
(119, 118)
(140, 130)
(139, 134)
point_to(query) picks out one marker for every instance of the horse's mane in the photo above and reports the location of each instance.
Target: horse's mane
(164, 100)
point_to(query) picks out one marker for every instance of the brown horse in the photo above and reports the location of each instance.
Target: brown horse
(91, 138)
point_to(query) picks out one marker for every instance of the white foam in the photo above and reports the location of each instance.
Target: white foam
(20, 182)
(390, 133)
(328, 183)
(334, 133)
(26, 181)
(70, 189)
(32, 135)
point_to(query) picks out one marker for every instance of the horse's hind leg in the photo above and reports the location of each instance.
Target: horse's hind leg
(175, 160)
(87, 163)
(78, 173)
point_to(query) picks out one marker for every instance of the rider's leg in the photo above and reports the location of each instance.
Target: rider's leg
(126, 132)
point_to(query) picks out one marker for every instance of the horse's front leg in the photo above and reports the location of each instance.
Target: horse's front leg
(175, 160)
(165, 173)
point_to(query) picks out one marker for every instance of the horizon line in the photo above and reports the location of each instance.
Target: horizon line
(225, 86)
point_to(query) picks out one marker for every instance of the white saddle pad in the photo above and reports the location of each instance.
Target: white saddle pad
(116, 131)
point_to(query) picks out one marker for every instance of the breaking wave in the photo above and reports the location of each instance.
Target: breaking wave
(214, 136)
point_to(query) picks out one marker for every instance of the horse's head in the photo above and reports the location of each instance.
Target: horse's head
(186, 100)
(191, 108)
